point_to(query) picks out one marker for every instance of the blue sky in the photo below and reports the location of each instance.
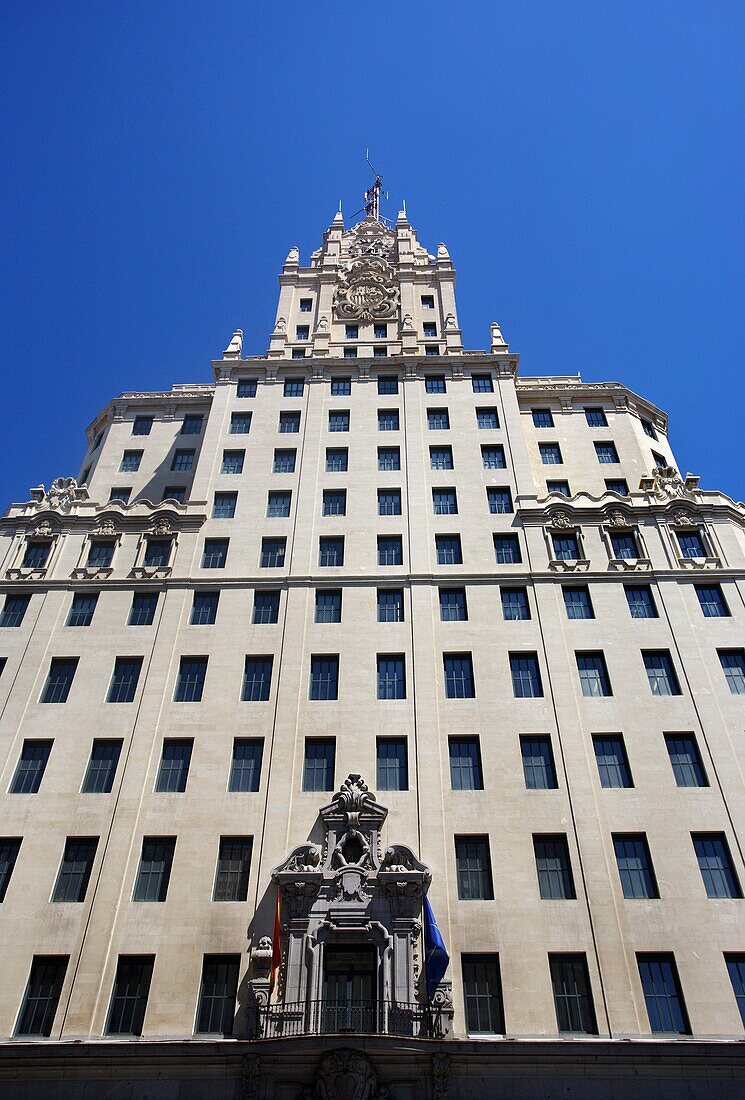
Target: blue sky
(583, 162)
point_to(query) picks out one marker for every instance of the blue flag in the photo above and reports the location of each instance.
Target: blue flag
(436, 958)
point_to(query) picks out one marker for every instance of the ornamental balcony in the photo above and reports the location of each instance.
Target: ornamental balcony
(349, 1017)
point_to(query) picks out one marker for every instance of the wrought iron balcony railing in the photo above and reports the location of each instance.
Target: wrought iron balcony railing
(282, 1021)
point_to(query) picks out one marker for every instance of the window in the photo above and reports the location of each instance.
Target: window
(318, 769)
(662, 993)
(641, 601)
(560, 487)
(387, 383)
(445, 502)
(554, 868)
(566, 547)
(487, 418)
(341, 387)
(380, 332)
(685, 759)
(154, 871)
(215, 553)
(596, 418)
(482, 383)
(324, 677)
(606, 452)
(233, 865)
(538, 763)
(306, 305)
(272, 553)
(715, 864)
(99, 775)
(331, 551)
(157, 553)
(245, 767)
(130, 461)
(174, 765)
(459, 683)
(465, 764)
(9, 849)
(388, 420)
(593, 674)
(515, 603)
(266, 608)
(15, 608)
(142, 425)
(659, 460)
(448, 550)
(570, 980)
(224, 505)
(441, 458)
(36, 555)
(733, 666)
(97, 441)
(351, 332)
(59, 681)
(240, 423)
(389, 502)
(175, 492)
(613, 764)
(438, 420)
(660, 672)
(232, 462)
(648, 428)
(429, 329)
(328, 605)
(635, 866)
(294, 386)
(550, 454)
(691, 544)
(246, 387)
(183, 461)
(129, 995)
(190, 683)
(526, 676)
(257, 679)
(124, 681)
(507, 549)
(624, 546)
(493, 457)
(75, 870)
(120, 493)
(278, 504)
(577, 602)
(431, 349)
(542, 418)
(499, 500)
(100, 554)
(350, 353)
(473, 867)
(302, 332)
(392, 766)
(42, 995)
(617, 485)
(289, 423)
(143, 608)
(736, 971)
(30, 768)
(390, 605)
(284, 461)
(713, 603)
(434, 383)
(428, 301)
(453, 606)
(482, 995)
(217, 993)
(192, 424)
(391, 676)
(339, 420)
(337, 460)
(334, 502)
(389, 458)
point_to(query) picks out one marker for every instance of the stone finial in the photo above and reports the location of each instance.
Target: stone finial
(234, 350)
(442, 252)
(498, 342)
(293, 257)
(338, 218)
(402, 219)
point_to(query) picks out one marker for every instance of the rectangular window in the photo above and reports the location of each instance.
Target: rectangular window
(334, 502)
(515, 603)
(224, 505)
(493, 457)
(499, 499)
(542, 418)
(328, 605)
(429, 329)
(448, 550)
(617, 485)
(232, 462)
(82, 609)
(507, 549)
(142, 425)
(240, 423)
(233, 866)
(190, 683)
(659, 460)
(350, 353)
(685, 760)
(606, 452)
(217, 994)
(341, 387)
(380, 353)
(272, 553)
(351, 332)
(289, 423)
(438, 420)
(124, 681)
(565, 547)
(593, 674)
(389, 458)
(9, 849)
(302, 332)
(175, 492)
(526, 676)
(257, 679)
(736, 971)
(204, 608)
(550, 454)
(100, 554)
(459, 682)
(441, 458)
(487, 418)
(560, 487)
(392, 765)
(663, 995)
(428, 301)
(434, 383)
(306, 304)
(337, 460)
(444, 502)
(192, 425)
(154, 872)
(648, 428)
(595, 418)
(390, 605)
(339, 420)
(120, 493)
(482, 383)
(577, 602)
(324, 677)
(387, 383)
(733, 667)
(246, 387)
(661, 673)
(388, 420)
(157, 553)
(183, 461)
(538, 763)
(59, 681)
(245, 767)
(174, 765)
(465, 764)
(570, 980)
(42, 996)
(431, 349)
(284, 461)
(624, 546)
(473, 866)
(713, 603)
(389, 502)
(331, 551)
(641, 601)
(294, 387)
(715, 864)
(318, 768)
(635, 866)
(129, 995)
(36, 555)
(278, 504)
(482, 995)
(613, 764)
(104, 760)
(143, 608)
(390, 550)
(215, 553)
(453, 605)
(130, 461)
(266, 608)
(391, 672)
(554, 868)
(75, 870)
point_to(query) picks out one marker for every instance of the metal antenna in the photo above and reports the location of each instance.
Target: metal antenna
(372, 195)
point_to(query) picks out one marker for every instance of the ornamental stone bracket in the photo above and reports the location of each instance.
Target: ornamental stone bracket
(628, 564)
(700, 563)
(91, 573)
(150, 572)
(573, 565)
(345, 1074)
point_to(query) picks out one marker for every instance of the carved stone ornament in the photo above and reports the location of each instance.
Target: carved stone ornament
(63, 494)
(367, 290)
(235, 347)
(250, 1077)
(281, 325)
(43, 530)
(450, 321)
(371, 238)
(683, 519)
(667, 482)
(562, 520)
(618, 519)
(105, 527)
(261, 956)
(345, 1074)
(161, 525)
(323, 324)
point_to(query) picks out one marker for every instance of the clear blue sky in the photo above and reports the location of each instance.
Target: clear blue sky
(583, 162)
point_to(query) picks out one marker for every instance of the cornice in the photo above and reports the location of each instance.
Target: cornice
(570, 386)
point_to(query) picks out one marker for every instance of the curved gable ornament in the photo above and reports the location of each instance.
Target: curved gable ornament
(367, 290)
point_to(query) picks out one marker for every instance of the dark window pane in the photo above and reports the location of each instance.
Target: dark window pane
(14, 609)
(390, 605)
(324, 678)
(42, 995)
(233, 865)
(36, 555)
(100, 554)
(142, 425)
(507, 549)
(593, 674)
(389, 458)
(473, 868)
(641, 601)
(736, 971)
(154, 871)
(577, 602)
(713, 603)
(143, 609)
(691, 544)
(389, 502)
(204, 608)
(459, 682)
(448, 550)
(392, 767)
(685, 759)
(465, 764)
(266, 607)
(733, 667)
(99, 776)
(613, 766)
(278, 504)
(273, 553)
(331, 551)
(245, 768)
(328, 605)
(606, 452)
(124, 681)
(284, 461)
(715, 864)
(75, 869)
(662, 992)
(596, 418)
(542, 418)
(482, 995)
(575, 1012)
(183, 461)
(635, 866)
(660, 672)
(334, 502)
(526, 676)
(515, 603)
(224, 505)
(550, 454)
(624, 546)
(191, 677)
(240, 423)
(318, 770)
(390, 550)
(31, 765)
(215, 553)
(538, 763)
(391, 677)
(441, 458)
(337, 459)
(174, 765)
(246, 387)
(9, 849)
(453, 606)
(217, 994)
(444, 502)
(500, 500)
(129, 995)
(82, 609)
(257, 679)
(554, 867)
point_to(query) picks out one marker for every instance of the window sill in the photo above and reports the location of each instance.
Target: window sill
(25, 574)
(700, 563)
(577, 565)
(629, 563)
(149, 572)
(91, 572)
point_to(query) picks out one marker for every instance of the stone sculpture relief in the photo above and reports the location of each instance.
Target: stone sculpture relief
(367, 290)
(345, 1074)
(63, 494)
